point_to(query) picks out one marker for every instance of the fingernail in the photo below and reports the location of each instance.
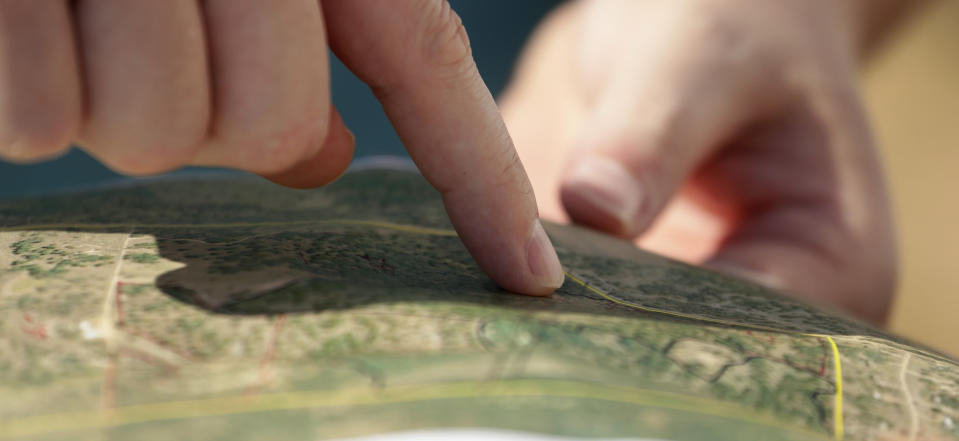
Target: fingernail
(542, 259)
(609, 187)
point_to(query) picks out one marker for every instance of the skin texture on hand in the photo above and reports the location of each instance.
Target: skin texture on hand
(723, 132)
(148, 86)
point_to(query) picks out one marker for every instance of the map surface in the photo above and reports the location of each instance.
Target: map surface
(234, 309)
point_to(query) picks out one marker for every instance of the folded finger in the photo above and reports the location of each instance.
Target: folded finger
(270, 84)
(146, 77)
(40, 94)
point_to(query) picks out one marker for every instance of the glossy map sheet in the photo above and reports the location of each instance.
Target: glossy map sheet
(234, 309)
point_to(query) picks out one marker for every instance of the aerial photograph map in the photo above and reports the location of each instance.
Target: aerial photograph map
(231, 308)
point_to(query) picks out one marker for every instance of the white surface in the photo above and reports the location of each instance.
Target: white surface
(479, 435)
(378, 162)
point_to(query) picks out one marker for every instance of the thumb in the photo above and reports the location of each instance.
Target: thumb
(653, 121)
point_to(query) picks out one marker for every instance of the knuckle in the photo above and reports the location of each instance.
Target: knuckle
(442, 39)
(138, 153)
(143, 160)
(281, 151)
(512, 174)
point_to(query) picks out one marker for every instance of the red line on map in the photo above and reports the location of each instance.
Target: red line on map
(266, 371)
(782, 360)
(142, 356)
(121, 321)
(38, 331)
(33, 328)
(271, 346)
(303, 257)
(786, 361)
(768, 337)
(148, 359)
(147, 336)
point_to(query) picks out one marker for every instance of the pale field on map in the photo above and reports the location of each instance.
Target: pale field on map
(168, 350)
(165, 350)
(164, 336)
(337, 322)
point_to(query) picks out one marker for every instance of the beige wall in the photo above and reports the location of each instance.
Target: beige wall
(912, 88)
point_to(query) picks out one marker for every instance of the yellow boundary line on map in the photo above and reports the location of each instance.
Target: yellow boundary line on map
(838, 424)
(301, 400)
(371, 223)
(627, 303)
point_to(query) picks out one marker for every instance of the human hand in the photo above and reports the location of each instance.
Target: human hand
(722, 132)
(148, 86)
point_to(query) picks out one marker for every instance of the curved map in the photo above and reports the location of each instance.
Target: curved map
(233, 309)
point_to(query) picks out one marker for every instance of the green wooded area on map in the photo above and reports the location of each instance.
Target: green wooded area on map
(238, 309)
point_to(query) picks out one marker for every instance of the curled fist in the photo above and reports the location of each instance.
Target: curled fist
(147, 86)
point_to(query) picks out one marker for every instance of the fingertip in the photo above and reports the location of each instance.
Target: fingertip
(543, 262)
(509, 244)
(601, 193)
(535, 270)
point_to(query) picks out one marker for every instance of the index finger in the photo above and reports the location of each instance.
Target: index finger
(416, 57)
